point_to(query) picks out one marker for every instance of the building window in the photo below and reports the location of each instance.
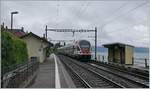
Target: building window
(39, 49)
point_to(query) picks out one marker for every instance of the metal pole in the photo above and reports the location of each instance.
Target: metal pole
(95, 43)
(11, 21)
(46, 32)
(132, 60)
(145, 63)
(103, 58)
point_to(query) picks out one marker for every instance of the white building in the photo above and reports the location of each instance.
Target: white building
(36, 46)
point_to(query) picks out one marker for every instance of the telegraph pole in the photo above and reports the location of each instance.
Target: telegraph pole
(11, 21)
(46, 32)
(95, 43)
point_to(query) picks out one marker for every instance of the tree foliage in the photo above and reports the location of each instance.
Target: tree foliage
(14, 50)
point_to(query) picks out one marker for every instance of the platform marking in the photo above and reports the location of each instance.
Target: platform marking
(57, 79)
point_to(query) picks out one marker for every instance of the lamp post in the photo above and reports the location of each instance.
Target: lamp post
(12, 18)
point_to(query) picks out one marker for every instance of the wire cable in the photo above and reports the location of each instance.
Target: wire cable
(133, 9)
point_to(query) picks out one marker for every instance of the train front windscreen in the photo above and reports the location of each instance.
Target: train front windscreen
(84, 44)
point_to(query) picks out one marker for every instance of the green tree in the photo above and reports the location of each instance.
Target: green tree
(14, 51)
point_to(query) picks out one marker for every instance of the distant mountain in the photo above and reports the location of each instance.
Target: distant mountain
(100, 49)
(136, 49)
(141, 50)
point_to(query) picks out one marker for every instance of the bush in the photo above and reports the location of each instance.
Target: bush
(13, 49)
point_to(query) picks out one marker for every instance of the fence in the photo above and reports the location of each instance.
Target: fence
(21, 76)
(137, 61)
(101, 58)
(141, 62)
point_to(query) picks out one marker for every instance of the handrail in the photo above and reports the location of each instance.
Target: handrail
(17, 77)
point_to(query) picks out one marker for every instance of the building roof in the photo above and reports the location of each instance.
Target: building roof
(116, 44)
(36, 36)
(17, 32)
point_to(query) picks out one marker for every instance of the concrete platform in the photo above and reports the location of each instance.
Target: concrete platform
(65, 79)
(46, 75)
(52, 74)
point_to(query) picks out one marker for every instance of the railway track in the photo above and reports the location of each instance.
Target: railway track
(142, 75)
(78, 80)
(131, 78)
(87, 77)
(122, 79)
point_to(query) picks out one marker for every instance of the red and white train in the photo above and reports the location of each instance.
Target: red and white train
(80, 50)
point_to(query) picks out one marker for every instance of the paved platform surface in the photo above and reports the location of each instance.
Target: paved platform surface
(52, 74)
(46, 75)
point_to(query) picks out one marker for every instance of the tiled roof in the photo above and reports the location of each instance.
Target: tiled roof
(17, 32)
(36, 36)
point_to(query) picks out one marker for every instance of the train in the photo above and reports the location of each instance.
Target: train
(80, 50)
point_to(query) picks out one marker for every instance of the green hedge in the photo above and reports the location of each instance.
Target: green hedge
(13, 49)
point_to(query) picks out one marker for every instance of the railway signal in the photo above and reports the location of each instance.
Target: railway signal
(76, 30)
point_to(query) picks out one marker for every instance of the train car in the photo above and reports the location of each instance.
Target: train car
(80, 50)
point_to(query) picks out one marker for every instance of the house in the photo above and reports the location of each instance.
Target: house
(120, 53)
(36, 46)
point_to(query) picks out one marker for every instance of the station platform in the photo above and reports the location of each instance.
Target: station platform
(52, 74)
(138, 67)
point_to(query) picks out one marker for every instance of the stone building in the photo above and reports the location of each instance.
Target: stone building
(36, 46)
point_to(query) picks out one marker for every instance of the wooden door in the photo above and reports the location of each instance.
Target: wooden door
(122, 55)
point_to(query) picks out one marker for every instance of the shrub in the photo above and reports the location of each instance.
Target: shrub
(13, 49)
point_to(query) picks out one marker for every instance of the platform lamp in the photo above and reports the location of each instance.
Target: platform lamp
(12, 13)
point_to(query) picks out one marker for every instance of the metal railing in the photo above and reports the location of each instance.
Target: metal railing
(101, 58)
(19, 76)
(141, 62)
(144, 62)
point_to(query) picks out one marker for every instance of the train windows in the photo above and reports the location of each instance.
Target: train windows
(84, 44)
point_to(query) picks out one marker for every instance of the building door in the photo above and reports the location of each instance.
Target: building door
(122, 55)
(113, 51)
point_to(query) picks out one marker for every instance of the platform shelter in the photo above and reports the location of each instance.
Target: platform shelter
(120, 53)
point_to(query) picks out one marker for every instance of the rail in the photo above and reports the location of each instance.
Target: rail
(21, 76)
(94, 76)
(120, 69)
(122, 75)
(85, 84)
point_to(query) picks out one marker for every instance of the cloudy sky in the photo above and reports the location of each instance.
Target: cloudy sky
(122, 21)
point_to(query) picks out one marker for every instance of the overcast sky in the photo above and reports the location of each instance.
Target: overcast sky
(117, 21)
